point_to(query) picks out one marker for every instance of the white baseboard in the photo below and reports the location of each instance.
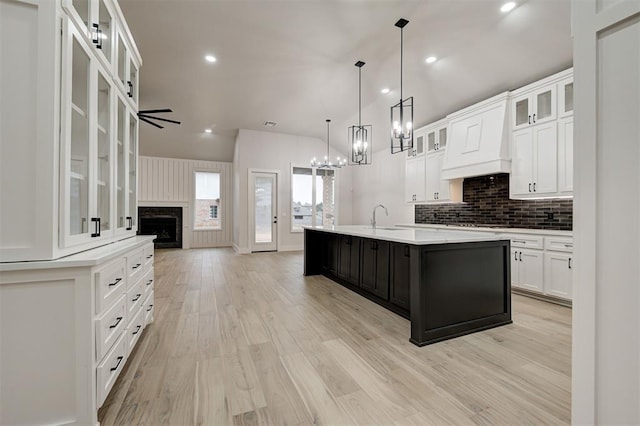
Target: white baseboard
(239, 250)
(291, 248)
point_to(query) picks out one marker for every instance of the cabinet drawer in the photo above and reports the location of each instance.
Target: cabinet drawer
(108, 370)
(558, 244)
(110, 285)
(134, 329)
(148, 255)
(135, 298)
(135, 265)
(148, 309)
(526, 241)
(147, 282)
(109, 327)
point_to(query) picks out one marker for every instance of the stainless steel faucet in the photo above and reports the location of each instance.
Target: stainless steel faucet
(373, 221)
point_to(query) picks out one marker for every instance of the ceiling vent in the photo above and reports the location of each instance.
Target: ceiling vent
(270, 123)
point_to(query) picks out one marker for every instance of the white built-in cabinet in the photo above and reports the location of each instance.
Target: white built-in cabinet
(71, 183)
(423, 182)
(415, 179)
(542, 138)
(527, 262)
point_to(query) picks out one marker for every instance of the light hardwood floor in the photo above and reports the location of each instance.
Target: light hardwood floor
(247, 339)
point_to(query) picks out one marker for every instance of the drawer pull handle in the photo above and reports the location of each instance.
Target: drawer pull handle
(520, 257)
(515, 255)
(569, 263)
(115, 282)
(149, 282)
(117, 322)
(137, 330)
(150, 256)
(568, 245)
(137, 297)
(150, 308)
(519, 242)
(137, 266)
(120, 358)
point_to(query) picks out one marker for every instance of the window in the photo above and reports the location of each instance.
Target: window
(207, 201)
(312, 197)
(213, 212)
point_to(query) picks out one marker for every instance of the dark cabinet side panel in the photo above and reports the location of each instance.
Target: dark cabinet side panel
(400, 275)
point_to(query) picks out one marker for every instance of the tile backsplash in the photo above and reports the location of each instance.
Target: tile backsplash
(486, 201)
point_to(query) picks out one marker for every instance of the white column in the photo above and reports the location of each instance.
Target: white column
(606, 303)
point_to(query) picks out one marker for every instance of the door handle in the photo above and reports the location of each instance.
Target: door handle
(529, 119)
(534, 118)
(529, 186)
(569, 263)
(515, 256)
(520, 257)
(534, 187)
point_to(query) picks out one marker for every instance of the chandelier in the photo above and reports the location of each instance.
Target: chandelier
(326, 163)
(402, 112)
(360, 136)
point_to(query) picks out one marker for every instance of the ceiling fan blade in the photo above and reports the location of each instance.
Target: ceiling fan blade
(152, 123)
(154, 111)
(158, 118)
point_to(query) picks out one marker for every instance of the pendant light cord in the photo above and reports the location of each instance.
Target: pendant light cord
(360, 97)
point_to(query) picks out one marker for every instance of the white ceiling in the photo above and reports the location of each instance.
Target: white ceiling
(292, 62)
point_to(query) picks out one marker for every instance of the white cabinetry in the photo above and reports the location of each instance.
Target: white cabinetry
(527, 262)
(419, 144)
(439, 190)
(542, 139)
(558, 267)
(70, 183)
(415, 179)
(436, 135)
(73, 314)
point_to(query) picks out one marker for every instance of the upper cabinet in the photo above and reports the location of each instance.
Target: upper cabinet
(437, 136)
(419, 144)
(542, 139)
(74, 174)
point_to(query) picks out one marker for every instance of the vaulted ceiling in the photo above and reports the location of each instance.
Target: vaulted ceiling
(292, 62)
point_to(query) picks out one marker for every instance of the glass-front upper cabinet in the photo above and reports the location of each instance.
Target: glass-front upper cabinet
(121, 159)
(565, 97)
(95, 20)
(437, 136)
(127, 69)
(86, 144)
(419, 144)
(104, 145)
(534, 107)
(133, 173)
(133, 81)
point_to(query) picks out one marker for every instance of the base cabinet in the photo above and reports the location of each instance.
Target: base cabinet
(558, 280)
(68, 327)
(526, 269)
(399, 276)
(375, 267)
(349, 259)
(330, 249)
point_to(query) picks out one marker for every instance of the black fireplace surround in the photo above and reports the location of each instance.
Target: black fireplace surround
(165, 222)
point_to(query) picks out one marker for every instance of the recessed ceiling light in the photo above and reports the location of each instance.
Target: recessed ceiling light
(385, 90)
(431, 59)
(210, 58)
(208, 130)
(508, 6)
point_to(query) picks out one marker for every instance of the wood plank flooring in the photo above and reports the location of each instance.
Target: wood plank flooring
(247, 340)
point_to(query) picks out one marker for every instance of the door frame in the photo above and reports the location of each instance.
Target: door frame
(251, 207)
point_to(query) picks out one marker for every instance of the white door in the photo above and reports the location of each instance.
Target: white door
(558, 274)
(264, 217)
(545, 157)
(522, 162)
(530, 269)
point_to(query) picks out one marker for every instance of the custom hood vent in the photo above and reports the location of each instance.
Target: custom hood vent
(479, 140)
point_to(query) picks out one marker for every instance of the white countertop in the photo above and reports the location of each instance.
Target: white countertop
(407, 235)
(92, 257)
(491, 229)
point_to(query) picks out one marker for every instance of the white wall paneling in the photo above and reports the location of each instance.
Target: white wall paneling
(606, 302)
(170, 182)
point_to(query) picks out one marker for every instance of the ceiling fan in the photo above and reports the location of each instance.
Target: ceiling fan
(144, 116)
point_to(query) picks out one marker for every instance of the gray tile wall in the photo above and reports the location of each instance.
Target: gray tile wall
(486, 201)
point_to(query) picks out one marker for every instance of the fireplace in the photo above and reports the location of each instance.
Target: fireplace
(165, 222)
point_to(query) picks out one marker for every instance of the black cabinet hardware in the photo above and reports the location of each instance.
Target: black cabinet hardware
(95, 33)
(534, 187)
(407, 251)
(150, 307)
(150, 256)
(149, 282)
(130, 220)
(138, 327)
(130, 92)
(569, 263)
(520, 257)
(138, 296)
(137, 265)
(96, 220)
(117, 322)
(515, 256)
(115, 282)
(534, 118)
(520, 242)
(118, 364)
(529, 119)
(529, 186)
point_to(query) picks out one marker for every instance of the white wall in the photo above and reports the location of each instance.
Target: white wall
(277, 152)
(170, 182)
(381, 182)
(606, 302)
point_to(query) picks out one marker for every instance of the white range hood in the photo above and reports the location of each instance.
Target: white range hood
(479, 140)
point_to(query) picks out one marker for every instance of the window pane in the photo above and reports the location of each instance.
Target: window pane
(301, 191)
(263, 200)
(325, 202)
(207, 201)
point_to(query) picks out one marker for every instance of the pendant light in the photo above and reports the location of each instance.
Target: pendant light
(360, 136)
(326, 163)
(402, 112)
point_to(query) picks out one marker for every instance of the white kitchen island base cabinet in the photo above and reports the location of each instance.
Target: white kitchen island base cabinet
(51, 368)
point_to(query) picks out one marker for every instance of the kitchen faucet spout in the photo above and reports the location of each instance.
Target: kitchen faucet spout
(373, 220)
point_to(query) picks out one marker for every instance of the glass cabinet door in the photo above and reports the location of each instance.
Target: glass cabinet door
(103, 155)
(565, 97)
(132, 89)
(78, 138)
(545, 106)
(442, 138)
(431, 141)
(120, 165)
(133, 172)
(522, 114)
(104, 31)
(122, 61)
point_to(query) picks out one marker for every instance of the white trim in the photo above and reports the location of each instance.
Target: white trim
(240, 250)
(193, 197)
(251, 206)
